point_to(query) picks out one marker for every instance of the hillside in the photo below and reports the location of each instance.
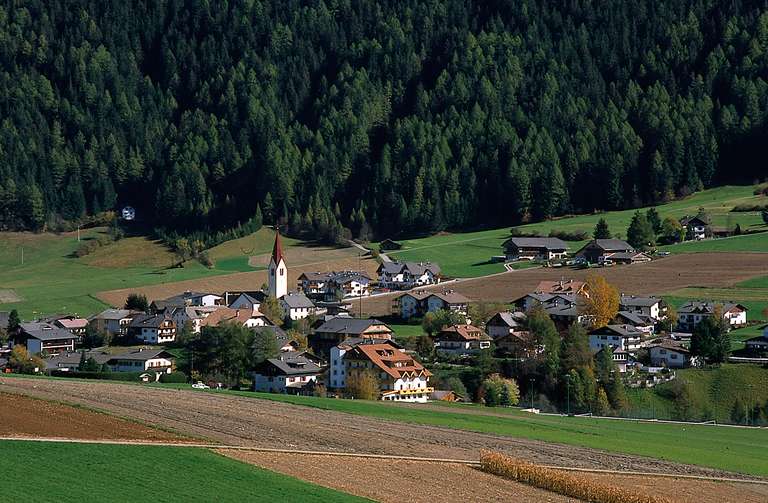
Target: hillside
(392, 118)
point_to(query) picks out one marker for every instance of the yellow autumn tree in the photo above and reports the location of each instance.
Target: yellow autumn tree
(603, 302)
(363, 385)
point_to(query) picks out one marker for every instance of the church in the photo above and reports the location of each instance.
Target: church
(295, 306)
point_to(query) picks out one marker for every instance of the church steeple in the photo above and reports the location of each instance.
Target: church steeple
(278, 271)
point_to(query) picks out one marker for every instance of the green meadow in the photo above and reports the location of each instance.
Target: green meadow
(72, 472)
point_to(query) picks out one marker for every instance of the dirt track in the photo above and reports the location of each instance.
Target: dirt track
(660, 276)
(247, 421)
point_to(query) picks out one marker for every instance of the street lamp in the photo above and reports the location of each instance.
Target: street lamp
(532, 380)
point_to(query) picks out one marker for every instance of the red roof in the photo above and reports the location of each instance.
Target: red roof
(277, 250)
(389, 359)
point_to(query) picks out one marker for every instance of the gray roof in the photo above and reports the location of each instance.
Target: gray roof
(297, 300)
(346, 325)
(148, 320)
(113, 314)
(70, 358)
(635, 301)
(347, 276)
(611, 244)
(182, 297)
(46, 331)
(622, 330)
(509, 319)
(294, 364)
(415, 268)
(635, 318)
(143, 355)
(356, 341)
(546, 243)
(248, 298)
(707, 307)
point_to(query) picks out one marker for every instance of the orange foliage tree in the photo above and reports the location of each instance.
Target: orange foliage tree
(603, 302)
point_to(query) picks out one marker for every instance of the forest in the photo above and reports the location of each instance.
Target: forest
(373, 118)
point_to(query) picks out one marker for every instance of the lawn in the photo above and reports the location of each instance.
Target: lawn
(719, 447)
(468, 254)
(85, 472)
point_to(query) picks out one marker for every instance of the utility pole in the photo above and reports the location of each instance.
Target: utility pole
(78, 233)
(22, 255)
(568, 392)
(532, 380)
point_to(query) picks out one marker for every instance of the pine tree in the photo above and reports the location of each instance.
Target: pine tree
(601, 230)
(640, 233)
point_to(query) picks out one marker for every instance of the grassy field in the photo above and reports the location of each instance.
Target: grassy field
(52, 280)
(726, 448)
(753, 294)
(84, 472)
(467, 254)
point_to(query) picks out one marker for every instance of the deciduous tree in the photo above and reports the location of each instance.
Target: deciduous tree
(602, 305)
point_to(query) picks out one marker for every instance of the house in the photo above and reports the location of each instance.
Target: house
(401, 377)
(407, 275)
(758, 345)
(462, 340)
(336, 378)
(153, 328)
(336, 330)
(622, 337)
(350, 284)
(290, 372)
(653, 307)
(531, 300)
(74, 324)
(644, 323)
(505, 323)
(190, 298)
(691, 313)
(420, 302)
(628, 257)
(69, 361)
(41, 337)
(242, 317)
(518, 345)
(596, 250)
(620, 356)
(563, 287)
(143, 360)
(446, 396)
(696, 228)
(296, 306)
(566, 311)
(247, 300)
(314, 283)
(526, 248)
(190, 315)
(389, 245)
(114, 321)
(670, 354)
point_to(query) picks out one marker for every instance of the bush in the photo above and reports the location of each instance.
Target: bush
(575, 235)
(103, 376)
(520, 233)
(750, 207)
(174, 377)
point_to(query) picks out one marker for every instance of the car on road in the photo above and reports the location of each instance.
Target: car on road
(200, 385)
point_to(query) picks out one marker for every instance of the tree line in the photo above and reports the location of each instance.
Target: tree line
(370, 118)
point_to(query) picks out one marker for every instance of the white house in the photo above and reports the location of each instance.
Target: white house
(242, 317)
(621, 337)
(336, 368)
(505, 323)
(692, 313)
(532, 248)
(695, 227)
(407, 275)
(671, 355)
(401, 378)
(462, 340)
(189, 298)
(245, 300)
(644, 323)
(192, 315)
(153, 328)
(290, 372)
(143, 360)
(420, 302)
(296, 306)
(653, 307)
(114, 321)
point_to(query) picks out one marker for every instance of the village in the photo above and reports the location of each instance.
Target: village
(310, 341)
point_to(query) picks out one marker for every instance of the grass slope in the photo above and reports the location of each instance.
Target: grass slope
(740, 450)
(467, 254)
(124, 473)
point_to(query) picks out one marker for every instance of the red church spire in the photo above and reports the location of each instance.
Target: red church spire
(277, 250)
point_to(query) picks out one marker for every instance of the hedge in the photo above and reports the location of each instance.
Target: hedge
(174, 377)
(105, 376)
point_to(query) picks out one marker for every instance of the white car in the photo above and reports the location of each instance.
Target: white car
(200, 385)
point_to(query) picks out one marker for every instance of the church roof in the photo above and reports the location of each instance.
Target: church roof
(277, 250)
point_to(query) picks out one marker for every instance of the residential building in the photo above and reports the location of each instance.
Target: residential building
(243, 317)
(518, 345)
(622, 337)
(690, 314)
(401, 377)
(505, 323)
(758, 345)
(336, 330)
(315, 283)
(696, 228)
(336, 378)
(653, 307)
(462, 340)
(420, 302)
(290, 372)
(296, 306)
(621, 357)
(190, 298)
(190, 315)
(596, 250)
(670, 354)
(247, 300)
(389, 245)
(143, 360)
(114, 321)
(644, 323)
(563, 287)
(69, 361)
(278, 270)
(628, 257)
(74, 324)
(153, 328)
(407, 275)
(528, 248)
(41, 337)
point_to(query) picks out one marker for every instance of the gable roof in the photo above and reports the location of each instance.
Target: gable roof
(419, 295)
(634, 319)
(277, 249)
(143, 355)
(72, 323)
(46, 332)
(114, 314)
(229, 315)
(415, 268)
(707, 307)
(529, 242)
(297, 301)
(451, 297)
(394, 362)
(609, 245)
(315, 276)
(638, 301)
(694, 220)
(562, 286)
(292, 364)
(149, 321)
(506, 318)
(69, 358)
(347, 325)
(670, 345)
(620, 330)
(462, 333)
(248, 298)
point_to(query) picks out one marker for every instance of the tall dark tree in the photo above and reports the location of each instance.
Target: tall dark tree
(640, 233)
(601, 230)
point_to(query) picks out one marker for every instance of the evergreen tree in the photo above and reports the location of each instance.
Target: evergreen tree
(601, 230)
(654, 219)
(640, 233)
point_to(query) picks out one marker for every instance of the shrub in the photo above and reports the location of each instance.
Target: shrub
(174, 377)
(560, 482)
(575, 235)
(520, 233)
(104, 376)
(750, 207)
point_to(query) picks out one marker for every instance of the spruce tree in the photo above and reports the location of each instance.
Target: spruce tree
(601, 230)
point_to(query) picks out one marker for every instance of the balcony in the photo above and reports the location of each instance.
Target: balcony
(407, 392)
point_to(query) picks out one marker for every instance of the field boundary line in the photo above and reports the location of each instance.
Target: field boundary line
(378, 456)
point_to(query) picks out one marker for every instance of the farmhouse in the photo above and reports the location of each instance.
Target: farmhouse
(401, 378)
(290, 372)
(114, 321)
(389, 245)
(143, 360)
(69, 361)
(696, 228)
(406, 275)
(622, 337)
(314, 283)
(462, 340)
(296, 306)
(563, 287)
(337, 330)
(597, 250)
(153, 328)
(653, 307)
(505, 323)
(41, 337)
(246, 300)
(628, 257)
(525, 248)
(530, 300)
(193, 316)
(670, 354)
(329, 286)
(691, 313)
(419, 302)
(189, 298)
(337, 370)
(644, 323)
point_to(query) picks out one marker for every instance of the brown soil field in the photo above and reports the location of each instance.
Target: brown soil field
(234, 420)
(658, 277)
(299, 260)
(22, 416)
(391, 481)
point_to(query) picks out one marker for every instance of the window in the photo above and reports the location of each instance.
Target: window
(282, 271)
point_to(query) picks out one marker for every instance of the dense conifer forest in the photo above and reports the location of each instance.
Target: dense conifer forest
(381, 117)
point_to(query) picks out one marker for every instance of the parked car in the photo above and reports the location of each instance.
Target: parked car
(200, 385)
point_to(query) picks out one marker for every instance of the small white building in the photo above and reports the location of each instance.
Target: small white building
(653, 307)
(296, 306)
(113, 321)
(672, 355)
(143, 360)
(41, 337)
(462, 340)
(622, 337)
(153, 328)
(242, 317)
(692, 313)
(417, 303)
(505, 323)
(291, 372)
(250, 301)
(407, 275)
